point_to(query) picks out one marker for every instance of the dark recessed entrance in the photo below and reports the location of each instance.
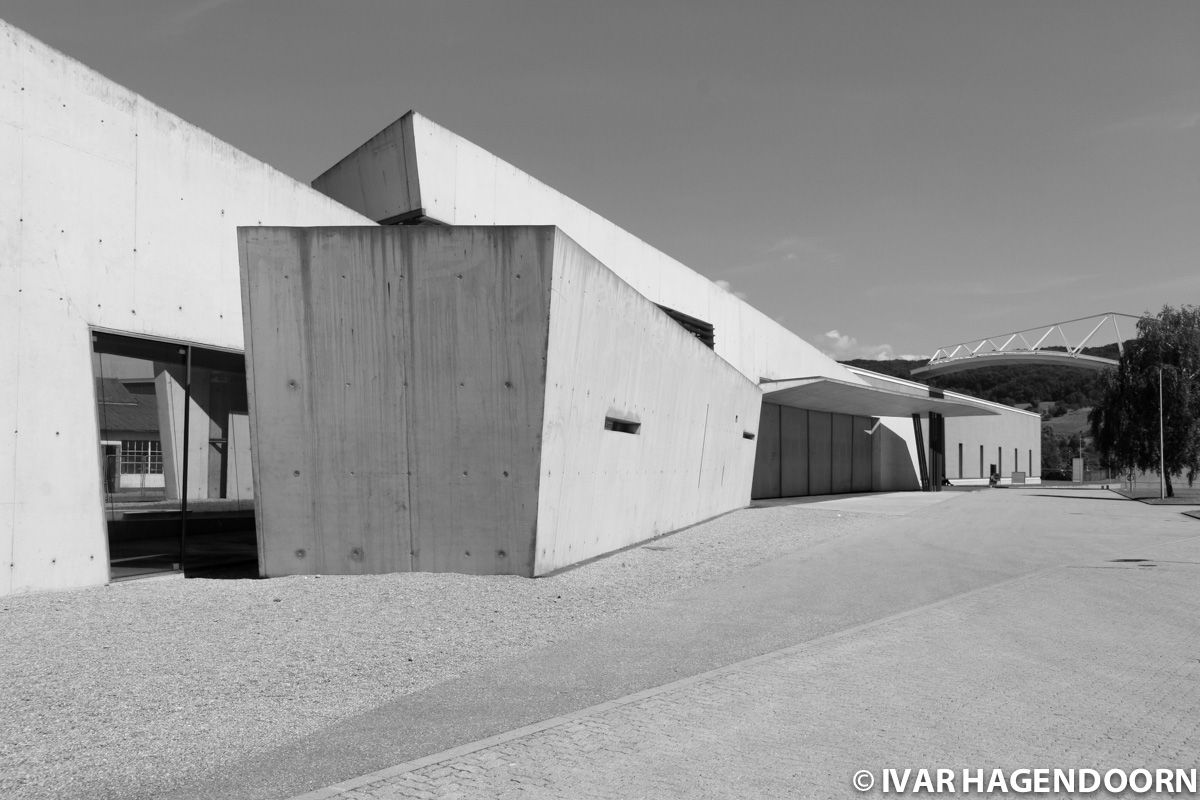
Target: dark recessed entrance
(175, 458)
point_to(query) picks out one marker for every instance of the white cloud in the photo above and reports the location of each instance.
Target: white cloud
(727, 287)
(179, 21)
(811, 250)
(844, 347)
(1160, 121)
(786, 255)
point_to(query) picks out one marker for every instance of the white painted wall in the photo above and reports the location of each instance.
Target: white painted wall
(120, 215)
(612, 352)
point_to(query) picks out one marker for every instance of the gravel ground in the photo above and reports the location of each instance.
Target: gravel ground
(107, 691)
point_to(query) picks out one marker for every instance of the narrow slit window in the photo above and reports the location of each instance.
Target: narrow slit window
(621, 425)
(748, 435)
(704, 331)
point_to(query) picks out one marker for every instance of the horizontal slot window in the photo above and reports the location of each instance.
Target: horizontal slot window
(748, 435)
(621, 425)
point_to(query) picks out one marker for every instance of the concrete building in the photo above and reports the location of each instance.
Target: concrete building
(118, 217)
(623, 394)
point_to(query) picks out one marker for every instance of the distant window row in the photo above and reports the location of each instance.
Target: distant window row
(141, 457)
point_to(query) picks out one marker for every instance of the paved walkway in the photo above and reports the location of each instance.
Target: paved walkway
(986, 629)
(1016, 675)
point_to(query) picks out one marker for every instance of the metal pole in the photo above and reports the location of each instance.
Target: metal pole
(1162, 473)
(187, 419)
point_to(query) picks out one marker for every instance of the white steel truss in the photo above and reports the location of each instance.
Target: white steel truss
(1041, 339)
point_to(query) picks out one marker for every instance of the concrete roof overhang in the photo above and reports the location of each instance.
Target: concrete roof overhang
(819, 393)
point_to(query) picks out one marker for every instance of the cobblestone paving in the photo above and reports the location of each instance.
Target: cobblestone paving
(1096, 665)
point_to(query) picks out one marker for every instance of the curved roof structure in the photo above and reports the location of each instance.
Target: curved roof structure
(1058, 357)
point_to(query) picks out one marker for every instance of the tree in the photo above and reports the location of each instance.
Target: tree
(1055, 453)
(1125, 422)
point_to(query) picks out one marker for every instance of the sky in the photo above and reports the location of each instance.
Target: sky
(884, 177)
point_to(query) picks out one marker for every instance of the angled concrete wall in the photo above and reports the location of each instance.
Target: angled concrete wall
(436, 398)
(415, 166)
(121, 216)
(397, 378)
(459, 183)
(614, 354)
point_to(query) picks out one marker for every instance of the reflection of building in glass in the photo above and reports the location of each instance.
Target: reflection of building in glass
(128, 412)
(141, 457)
(498, 380)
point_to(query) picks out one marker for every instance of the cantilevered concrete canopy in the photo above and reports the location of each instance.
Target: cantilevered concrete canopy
(818, 393)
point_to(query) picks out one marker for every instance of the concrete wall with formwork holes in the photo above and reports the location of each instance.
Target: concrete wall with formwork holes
(613, 353)
(118, 215)
(397, 385)
(459, 183)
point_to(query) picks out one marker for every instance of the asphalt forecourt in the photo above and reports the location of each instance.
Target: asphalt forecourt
(1064, 682)
(275, 688)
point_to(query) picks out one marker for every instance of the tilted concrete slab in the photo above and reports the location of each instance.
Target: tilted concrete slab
(474, 399)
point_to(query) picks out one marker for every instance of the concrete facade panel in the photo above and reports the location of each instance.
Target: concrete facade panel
(10, 329)
(273, 288)
(480, 302)
(417, 402)
(860, 480)
(12, 63)
(613, 354)
(386, 186)
(768, 467)
(57, 434)
(793, 431)
(86, 164)
(820, 450)
(842, 455)
(894, 458)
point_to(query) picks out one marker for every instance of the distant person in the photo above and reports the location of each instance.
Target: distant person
(993, 479)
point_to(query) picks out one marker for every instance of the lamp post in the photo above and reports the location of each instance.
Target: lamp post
(1162, 473)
